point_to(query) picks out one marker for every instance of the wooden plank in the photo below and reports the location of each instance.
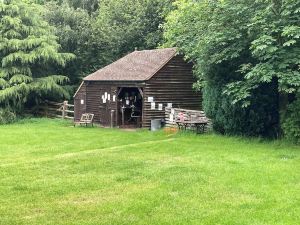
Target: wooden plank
(141, 92)
(68, 111)
(66, 117)
(53, 103)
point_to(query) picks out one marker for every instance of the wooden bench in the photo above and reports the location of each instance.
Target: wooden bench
(86, 118)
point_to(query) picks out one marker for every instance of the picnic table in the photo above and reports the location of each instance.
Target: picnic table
(197, 126)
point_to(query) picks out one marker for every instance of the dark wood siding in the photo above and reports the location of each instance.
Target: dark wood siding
(79, 108)
(95, 105)
(172, 84)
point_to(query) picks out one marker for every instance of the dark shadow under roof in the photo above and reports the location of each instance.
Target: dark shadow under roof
(136, 66)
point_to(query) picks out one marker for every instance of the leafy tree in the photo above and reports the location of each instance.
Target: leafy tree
(90, 6)
(99, 37)
(291, 121)
(28, 51)
(73, 28)
(276, 50)
(121, 26)
(214, 35)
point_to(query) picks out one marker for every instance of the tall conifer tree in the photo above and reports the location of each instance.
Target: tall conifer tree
(28, 50)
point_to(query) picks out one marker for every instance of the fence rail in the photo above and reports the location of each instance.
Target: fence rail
(52, 109)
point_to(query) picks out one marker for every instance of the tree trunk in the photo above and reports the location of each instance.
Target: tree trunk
(282, 102)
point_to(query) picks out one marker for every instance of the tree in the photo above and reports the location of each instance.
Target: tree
(121, 26)
(276, 50)
(100, 37)
(28, 52)
(90, 6)
(214, 35)
(73, 28)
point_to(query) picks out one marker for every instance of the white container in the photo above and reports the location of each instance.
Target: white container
(155, 124)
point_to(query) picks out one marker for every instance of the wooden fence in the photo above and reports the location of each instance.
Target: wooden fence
(51, 109)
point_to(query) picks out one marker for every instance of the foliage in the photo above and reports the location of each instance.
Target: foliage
(27, 47)
(276, 49)
(291, 121)
(7, 116)
(73, 28)
(90, 6)
(112, 29)
(214, 35)
(258, 119)
(121, 26)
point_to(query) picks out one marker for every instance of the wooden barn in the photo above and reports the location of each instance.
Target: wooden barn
(136, 89)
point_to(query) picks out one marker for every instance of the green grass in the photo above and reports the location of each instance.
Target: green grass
(52, 173)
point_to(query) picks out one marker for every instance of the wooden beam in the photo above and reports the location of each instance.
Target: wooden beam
(119, 91)
(141, 92)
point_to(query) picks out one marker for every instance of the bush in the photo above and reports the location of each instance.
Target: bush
(291, 121)
(259, 119)
(7, 116)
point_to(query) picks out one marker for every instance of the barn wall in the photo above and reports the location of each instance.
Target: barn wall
(94, 103)
(79, 108)
(172, 84)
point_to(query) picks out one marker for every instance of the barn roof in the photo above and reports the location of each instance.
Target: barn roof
(136, 66)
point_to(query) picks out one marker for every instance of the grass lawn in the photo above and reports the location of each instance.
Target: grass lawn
(52, 173)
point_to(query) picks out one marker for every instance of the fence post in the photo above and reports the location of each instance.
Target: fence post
(64, 108)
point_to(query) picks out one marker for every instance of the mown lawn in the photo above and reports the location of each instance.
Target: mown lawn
(52, 173)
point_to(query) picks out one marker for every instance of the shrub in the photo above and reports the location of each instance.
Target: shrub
(291, 121)
(7, 116)
(259, 119)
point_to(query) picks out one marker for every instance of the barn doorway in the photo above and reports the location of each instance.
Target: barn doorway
(130, 107)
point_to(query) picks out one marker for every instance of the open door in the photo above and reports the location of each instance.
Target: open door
(130, 107)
